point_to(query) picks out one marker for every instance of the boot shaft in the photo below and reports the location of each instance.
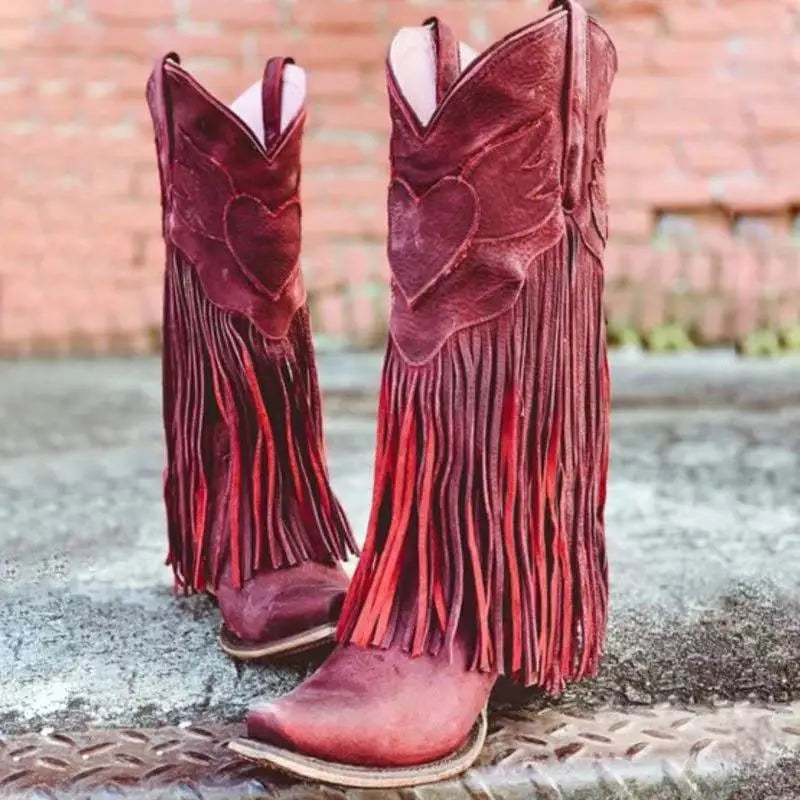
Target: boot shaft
(230, 200)
(246, 485)
(512, 152)
(487, 526)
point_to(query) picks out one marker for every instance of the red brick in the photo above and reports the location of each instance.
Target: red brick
(755, 15)
(374, 221)
(636, 88)
(347, 189)
(775, 119)
(343, 15)
(20, 105)
(373, 81)
(795, 52)
(327, 153)
(633, 54)
(749, 52)
(687, 22)
(329, 315)
(367, 318)
(678, 193)
(762, 84)
(500, 19)
(624, 8)
(249, 13)
(111, 182)
(620, 301)
(680, 56)
(662, 122)
(739, 275)
(16, 11)
(631, 223)
(779, 276)
(322, 49)
(779, 158)
(149, 10)
(713, 91)
(334, 83)
(706, 157)
(625, 155)
(15, 37)
(623, 187)
(326, 221)
(640, 27)
(786, 314)
(720, 95)
(652, 305)
(457, 13)
(219, 44)
(746, 195)
(700, 272)
(619, 121)
(356, 117)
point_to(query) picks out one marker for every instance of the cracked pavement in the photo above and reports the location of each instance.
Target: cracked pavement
(703, 530)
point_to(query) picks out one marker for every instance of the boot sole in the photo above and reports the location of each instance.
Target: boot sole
(349, 776)
(297, 643)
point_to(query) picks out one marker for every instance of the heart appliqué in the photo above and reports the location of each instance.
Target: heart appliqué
(429, 233)
(597, 186)
(265, 244)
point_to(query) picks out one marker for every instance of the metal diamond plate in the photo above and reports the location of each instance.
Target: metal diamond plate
(552, 753)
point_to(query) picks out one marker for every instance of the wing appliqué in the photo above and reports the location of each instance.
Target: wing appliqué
(597, 186)
(522, 175)
(264, 243)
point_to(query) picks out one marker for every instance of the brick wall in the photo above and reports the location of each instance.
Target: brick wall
(704, 158)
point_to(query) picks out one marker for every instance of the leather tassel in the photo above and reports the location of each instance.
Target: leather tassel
(246, 484)
(489, 487)
(237, 406)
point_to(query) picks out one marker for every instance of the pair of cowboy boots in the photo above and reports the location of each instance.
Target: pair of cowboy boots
(484, 553)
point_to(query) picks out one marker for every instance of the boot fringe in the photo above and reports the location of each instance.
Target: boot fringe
(237, 406)
(490, 480)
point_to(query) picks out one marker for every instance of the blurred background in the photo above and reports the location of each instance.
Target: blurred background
(703, 515)
(703, 161)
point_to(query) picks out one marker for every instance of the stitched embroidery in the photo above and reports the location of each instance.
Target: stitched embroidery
(597, 185)
(521, 172)
(263, 242)
(429, 233)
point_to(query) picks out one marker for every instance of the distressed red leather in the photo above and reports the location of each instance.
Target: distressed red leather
(277, 604)
(378, 707)
(485, 551)
(251, 514)
(232, 205)
(492, 442)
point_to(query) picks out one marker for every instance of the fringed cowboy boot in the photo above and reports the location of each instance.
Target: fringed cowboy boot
(485, 550)
(250, 512)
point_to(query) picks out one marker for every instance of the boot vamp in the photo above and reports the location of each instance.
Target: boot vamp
(374, 707)
(277, 604)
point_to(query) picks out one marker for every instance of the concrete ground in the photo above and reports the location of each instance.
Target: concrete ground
(703, 528)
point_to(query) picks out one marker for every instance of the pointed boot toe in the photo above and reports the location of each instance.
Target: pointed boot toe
(282, 612)
(374, 719)
(264, 723)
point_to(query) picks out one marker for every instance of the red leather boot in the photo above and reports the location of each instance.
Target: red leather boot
(485, 550)
(250, 512)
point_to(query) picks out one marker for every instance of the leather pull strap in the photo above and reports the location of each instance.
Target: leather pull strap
(575, 106)
(162, 122)
(272, 97)
(448, 59)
